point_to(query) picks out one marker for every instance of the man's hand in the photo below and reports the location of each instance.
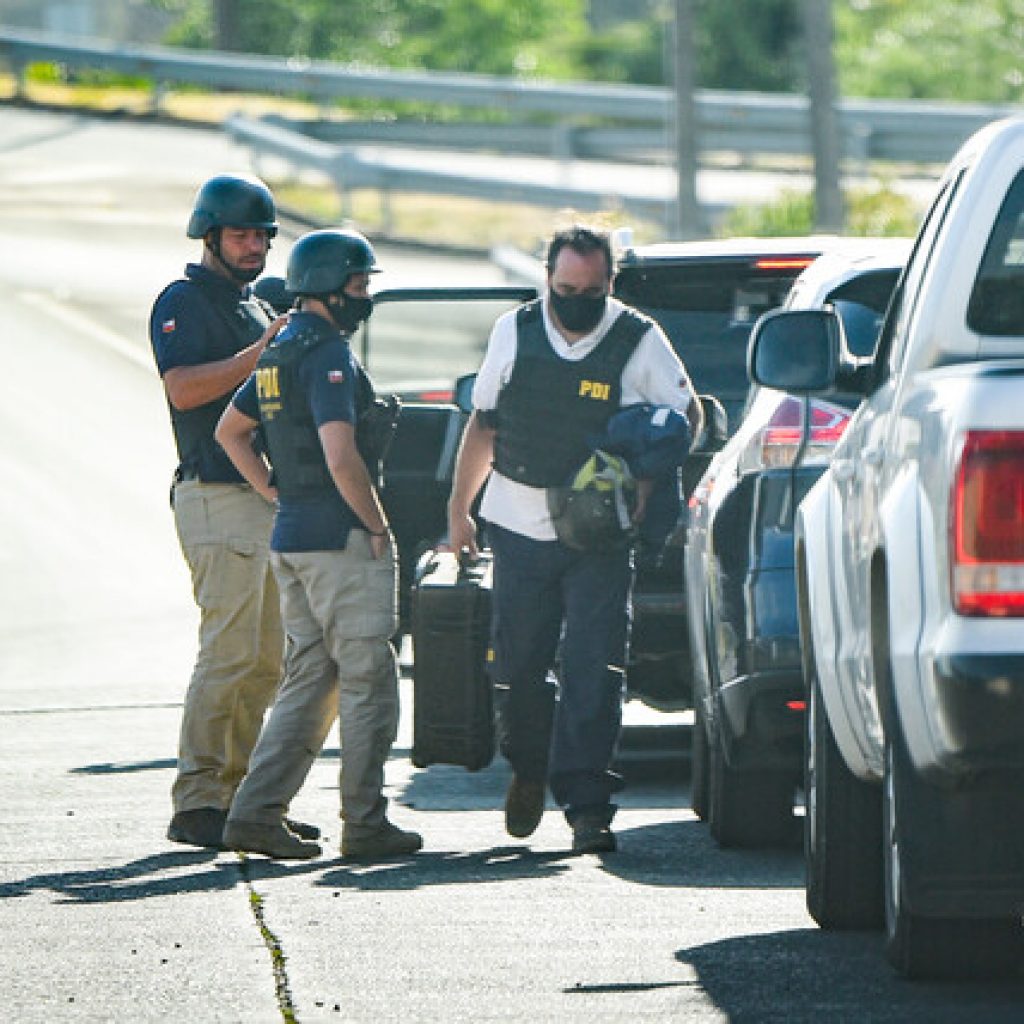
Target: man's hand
(271, 332)
(476, 452)
(189, 387)
(643, 492)
(380, 543)
(461, 535)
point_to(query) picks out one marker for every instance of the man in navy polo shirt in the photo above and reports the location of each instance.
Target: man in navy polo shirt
(332, 554)
(207, 331)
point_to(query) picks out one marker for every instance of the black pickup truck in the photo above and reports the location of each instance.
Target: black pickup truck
(706, 296)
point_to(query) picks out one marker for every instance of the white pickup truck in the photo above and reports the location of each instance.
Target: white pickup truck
(910, 578)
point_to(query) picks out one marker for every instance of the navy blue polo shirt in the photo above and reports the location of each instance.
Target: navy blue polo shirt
(200, 319)
(327, 377)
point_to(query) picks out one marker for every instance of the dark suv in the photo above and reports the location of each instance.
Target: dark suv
(706, 296)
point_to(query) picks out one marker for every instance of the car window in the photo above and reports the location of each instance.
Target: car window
(431, 334)
(861, 303)
(707, 310)
(893, 338)
(996, 305)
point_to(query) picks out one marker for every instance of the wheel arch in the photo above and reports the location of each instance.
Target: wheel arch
(897, 614)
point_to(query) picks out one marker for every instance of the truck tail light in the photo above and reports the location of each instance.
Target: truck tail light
(775, 445)
(987, 524)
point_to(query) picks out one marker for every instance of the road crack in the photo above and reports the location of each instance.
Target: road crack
(278, 959)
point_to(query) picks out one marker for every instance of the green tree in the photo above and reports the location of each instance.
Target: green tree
(749, 44)
(741, 44)
(494, 36)
(931, 49)
(629, 51)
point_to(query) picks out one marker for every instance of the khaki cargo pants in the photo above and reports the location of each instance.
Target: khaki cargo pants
(224, 531)
(339, 611)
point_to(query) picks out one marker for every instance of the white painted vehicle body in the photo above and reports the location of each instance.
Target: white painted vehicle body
(880, 515)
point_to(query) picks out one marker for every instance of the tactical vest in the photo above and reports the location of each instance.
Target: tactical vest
(296, 454)
(199, 455)
(552, 406)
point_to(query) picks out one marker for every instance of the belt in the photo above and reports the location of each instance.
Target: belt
(185, 473)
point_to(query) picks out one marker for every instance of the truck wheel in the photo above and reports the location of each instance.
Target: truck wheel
(934, 948)
(699, 767)
(842, 831)
(747, 808)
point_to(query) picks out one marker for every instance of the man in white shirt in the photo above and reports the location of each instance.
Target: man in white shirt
(555, 372)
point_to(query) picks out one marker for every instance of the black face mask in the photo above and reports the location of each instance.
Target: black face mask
(350, 312)
(578, 313)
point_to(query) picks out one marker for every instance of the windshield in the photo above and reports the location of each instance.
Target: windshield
(707, 311)
(861, 304)
(430, 335)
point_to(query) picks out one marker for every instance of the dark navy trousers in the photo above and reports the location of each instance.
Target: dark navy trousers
(560, 630)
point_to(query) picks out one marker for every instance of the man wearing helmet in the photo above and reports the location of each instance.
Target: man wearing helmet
(332, 554)
(555, 372)
(207, 333)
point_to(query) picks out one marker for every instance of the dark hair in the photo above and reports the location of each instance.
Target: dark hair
(582, 240)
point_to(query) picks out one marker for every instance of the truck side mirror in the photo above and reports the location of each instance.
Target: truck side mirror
(716, 426)
(796, 350)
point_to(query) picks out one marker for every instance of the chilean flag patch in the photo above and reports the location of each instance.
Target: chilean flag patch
(335, 376)
(168, 326)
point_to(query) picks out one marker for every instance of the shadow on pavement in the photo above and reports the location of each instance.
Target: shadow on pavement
(683, 854)
(168, 874)
(446, 787)
(754, 977)
(161, 874)
(657, 779)
(500, 864)
(124, 767)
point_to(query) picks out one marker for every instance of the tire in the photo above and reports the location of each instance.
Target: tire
(747, 808)
(933, 948)
(842, 831)
(699, 766)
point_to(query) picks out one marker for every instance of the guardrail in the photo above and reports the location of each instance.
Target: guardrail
(394, 170)
(745, 123)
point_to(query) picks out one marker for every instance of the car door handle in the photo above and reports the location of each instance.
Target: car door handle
(873, 455)
(842, 469)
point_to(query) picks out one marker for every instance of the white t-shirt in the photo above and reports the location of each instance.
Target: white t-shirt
(654, 373)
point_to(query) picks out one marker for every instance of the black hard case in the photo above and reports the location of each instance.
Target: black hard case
(453, 709)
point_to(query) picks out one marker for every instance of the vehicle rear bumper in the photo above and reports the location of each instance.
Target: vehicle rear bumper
(761, 720)
(979, 712)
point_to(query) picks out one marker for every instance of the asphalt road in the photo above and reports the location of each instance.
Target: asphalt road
(103, 920)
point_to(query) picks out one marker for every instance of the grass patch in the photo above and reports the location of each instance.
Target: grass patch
(447, 220)
(871, 212)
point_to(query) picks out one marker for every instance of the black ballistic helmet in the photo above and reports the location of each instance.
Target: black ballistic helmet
(233, 201)
(322, 261)
(272, 290)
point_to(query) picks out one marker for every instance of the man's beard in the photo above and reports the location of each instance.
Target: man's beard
(243, 275)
